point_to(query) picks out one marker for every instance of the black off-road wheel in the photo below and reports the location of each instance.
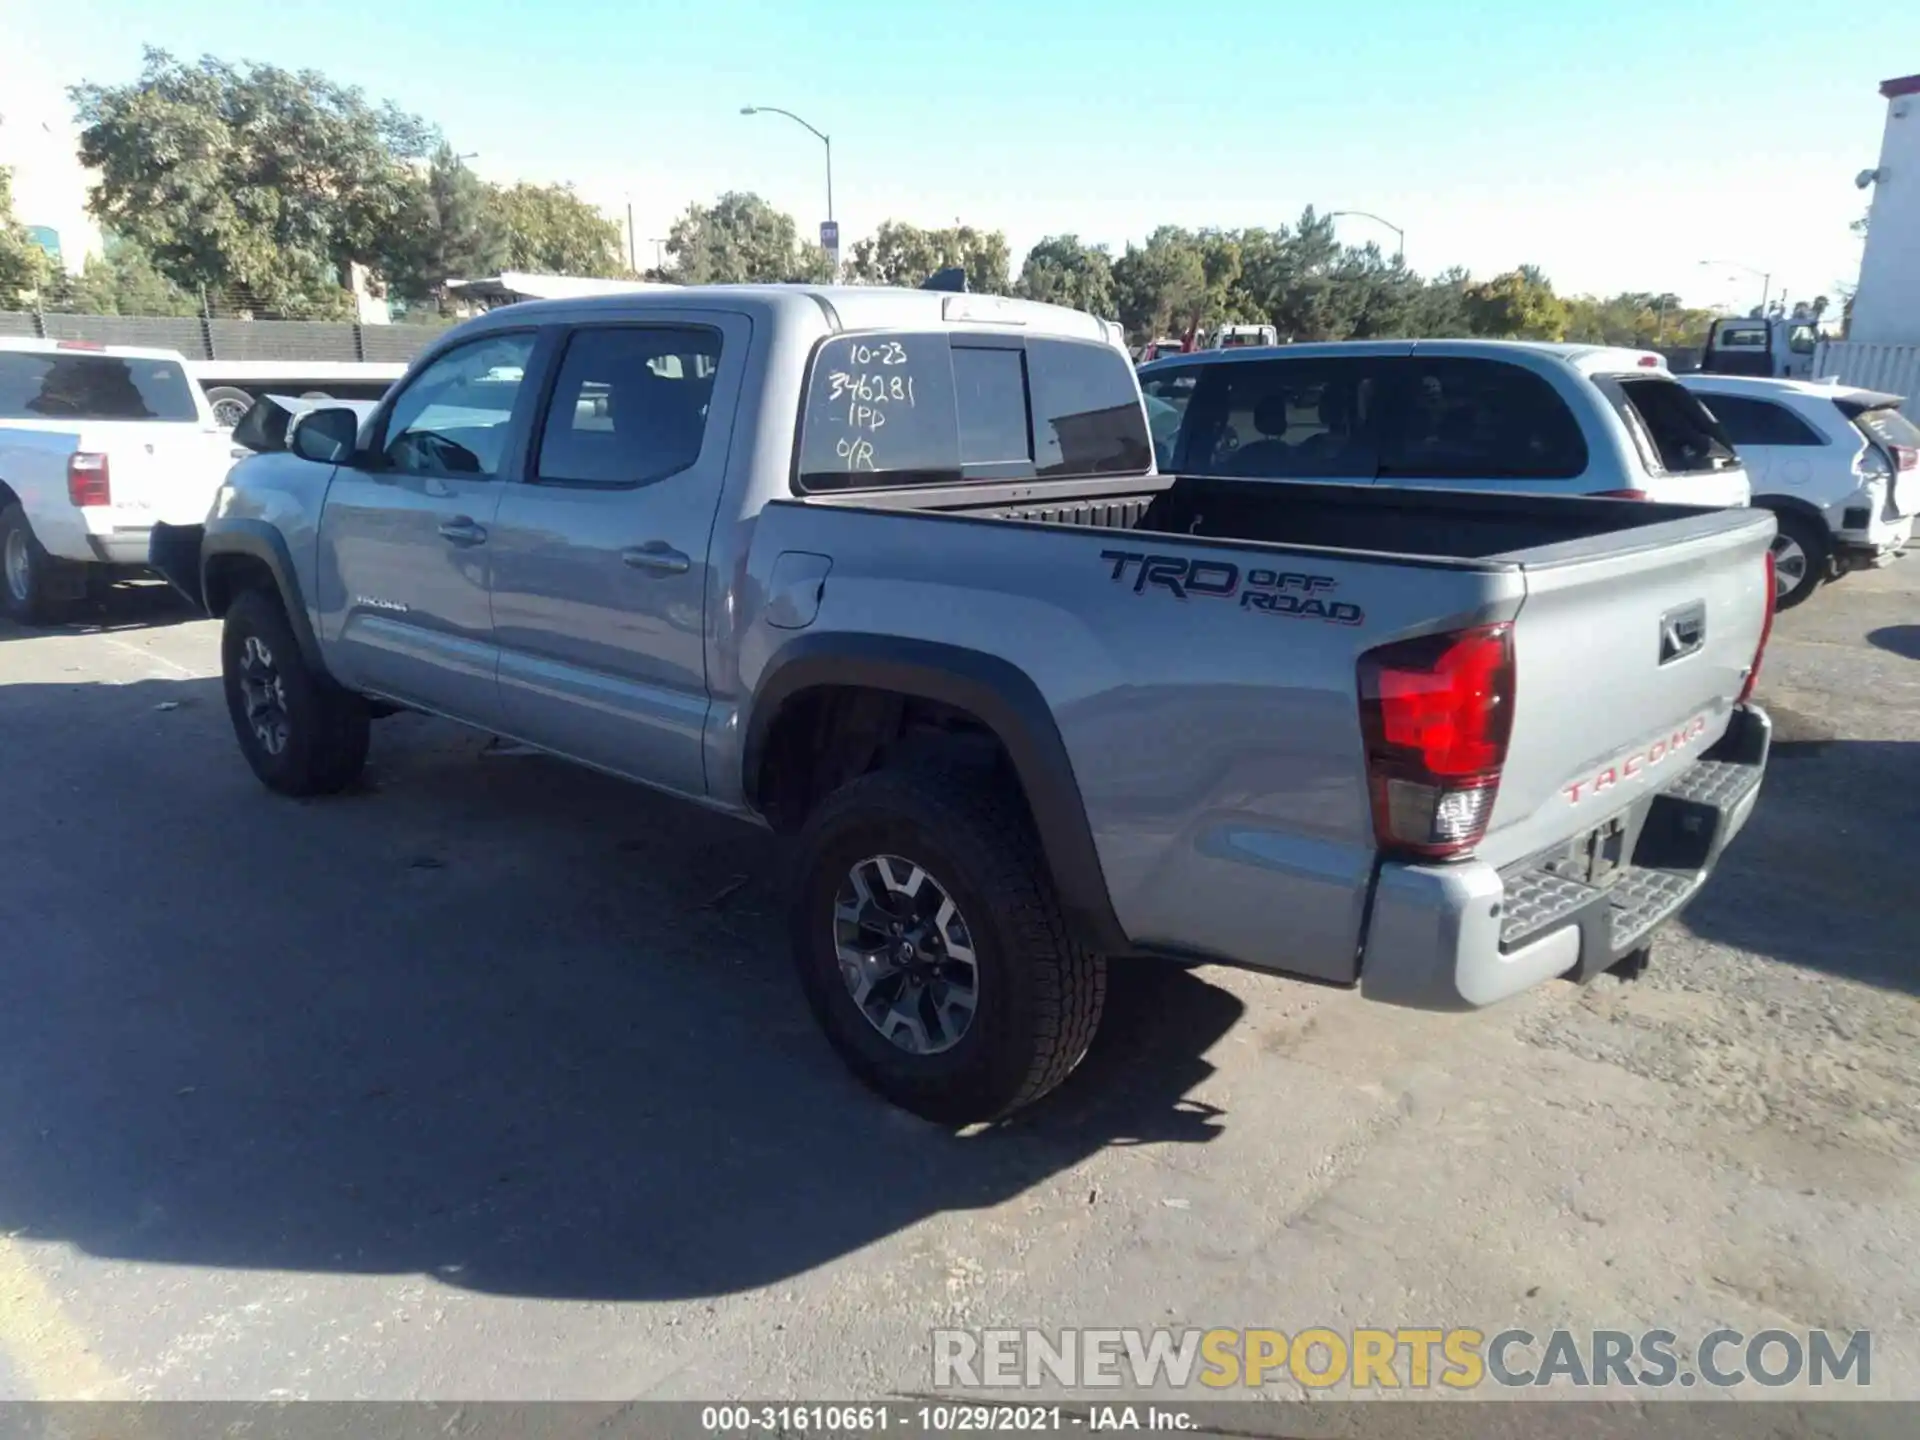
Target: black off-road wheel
(301, 733)
(30, 579)
(932, 947)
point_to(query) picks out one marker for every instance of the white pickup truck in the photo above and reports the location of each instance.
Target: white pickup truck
(96, 444)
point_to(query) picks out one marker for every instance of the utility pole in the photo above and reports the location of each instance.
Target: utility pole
(633, 263)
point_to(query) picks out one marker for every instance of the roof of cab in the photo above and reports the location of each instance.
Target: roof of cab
(1588, 359)
(846, 307)
(22, 343)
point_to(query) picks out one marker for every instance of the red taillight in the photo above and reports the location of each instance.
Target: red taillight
(1621, 494)
(78, 345)
(1436, 713)
(1766, 631)
(1649, 362)
(88, 482)
(1905, 457)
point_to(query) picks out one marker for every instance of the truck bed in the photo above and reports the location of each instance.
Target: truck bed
(1203, 670)
(1457, 526)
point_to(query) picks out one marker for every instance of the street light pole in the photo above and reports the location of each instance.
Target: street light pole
(1766, 278)
(819, 134)
(1400, 236)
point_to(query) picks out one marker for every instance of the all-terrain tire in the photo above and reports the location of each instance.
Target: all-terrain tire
(1040, 991)
(316, 743)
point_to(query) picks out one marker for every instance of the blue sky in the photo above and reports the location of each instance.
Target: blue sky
(1615, 145)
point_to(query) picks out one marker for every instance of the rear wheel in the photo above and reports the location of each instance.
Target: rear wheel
(1801, 555)
(301, 733)
(932, 949)
(30, 590)
(229, 404)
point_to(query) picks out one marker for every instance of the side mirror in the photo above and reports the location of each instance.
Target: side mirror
(327, 436)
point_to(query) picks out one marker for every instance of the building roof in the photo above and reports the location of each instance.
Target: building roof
(1905, 85)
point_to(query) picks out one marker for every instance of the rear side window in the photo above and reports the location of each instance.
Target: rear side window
(62, 385)
(1673, 431)
(1748, 421)
(629, 405)
(1461, 419)
(921, 409)
(1284, 419)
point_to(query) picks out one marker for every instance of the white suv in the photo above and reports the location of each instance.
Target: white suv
(1838, 466)
(1444, 415)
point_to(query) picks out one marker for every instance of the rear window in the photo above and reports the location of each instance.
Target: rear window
(1740, 337)
(1465, 419)
(1748, 421)
(1889, 427)
(920, 409)
(63, 385)
(1673, 431)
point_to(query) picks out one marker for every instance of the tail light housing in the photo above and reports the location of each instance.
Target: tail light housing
(1436, 713)
(1766, 633)
(88, 480)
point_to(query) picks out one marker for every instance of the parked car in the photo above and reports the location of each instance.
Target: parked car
(97, 443)
(894, 572)
(1838, 466)
(1452, 414)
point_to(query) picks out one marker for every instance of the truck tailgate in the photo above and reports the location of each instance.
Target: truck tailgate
(162, 471)
(1630, 652)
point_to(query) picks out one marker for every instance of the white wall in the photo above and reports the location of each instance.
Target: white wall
(1886, 309)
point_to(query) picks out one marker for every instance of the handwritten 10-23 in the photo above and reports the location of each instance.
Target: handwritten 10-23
(868, 393)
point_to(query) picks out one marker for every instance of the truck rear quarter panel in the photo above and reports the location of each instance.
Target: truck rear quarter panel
(1207, 710)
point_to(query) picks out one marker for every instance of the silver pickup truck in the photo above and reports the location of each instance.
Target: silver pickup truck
(892, 570)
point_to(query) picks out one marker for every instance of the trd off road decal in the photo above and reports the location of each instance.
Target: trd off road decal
(1273, 592)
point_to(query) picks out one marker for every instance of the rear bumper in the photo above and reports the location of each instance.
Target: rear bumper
(1456, 937)
(120, 547)
(1874, 548)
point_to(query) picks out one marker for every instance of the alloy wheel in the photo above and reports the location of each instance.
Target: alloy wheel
(265, 692)
(906, 954)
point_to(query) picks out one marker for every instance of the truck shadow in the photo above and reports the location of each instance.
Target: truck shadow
(1822, 875)
(128, 605)
(490, 1018)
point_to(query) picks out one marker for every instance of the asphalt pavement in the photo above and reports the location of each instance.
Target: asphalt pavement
(491, 1080)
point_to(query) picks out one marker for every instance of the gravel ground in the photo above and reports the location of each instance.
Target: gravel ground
(490, 1081)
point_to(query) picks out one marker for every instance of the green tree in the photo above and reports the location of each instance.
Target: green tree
(23, 264)
(250, 178)
(1160, 288)
(453, 229)
(549, 229)
(122, 281)
(741, 239)
(902, 254)
(1062, 271)
(1519, 305)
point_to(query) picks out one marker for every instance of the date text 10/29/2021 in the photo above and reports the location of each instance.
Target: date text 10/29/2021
(937, 1419)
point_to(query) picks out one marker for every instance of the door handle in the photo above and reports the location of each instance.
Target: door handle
(656, 557)
(462, 531)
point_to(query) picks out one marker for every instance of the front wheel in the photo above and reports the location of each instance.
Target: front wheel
(932, 947)
(1801, 554)
(301, 733)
